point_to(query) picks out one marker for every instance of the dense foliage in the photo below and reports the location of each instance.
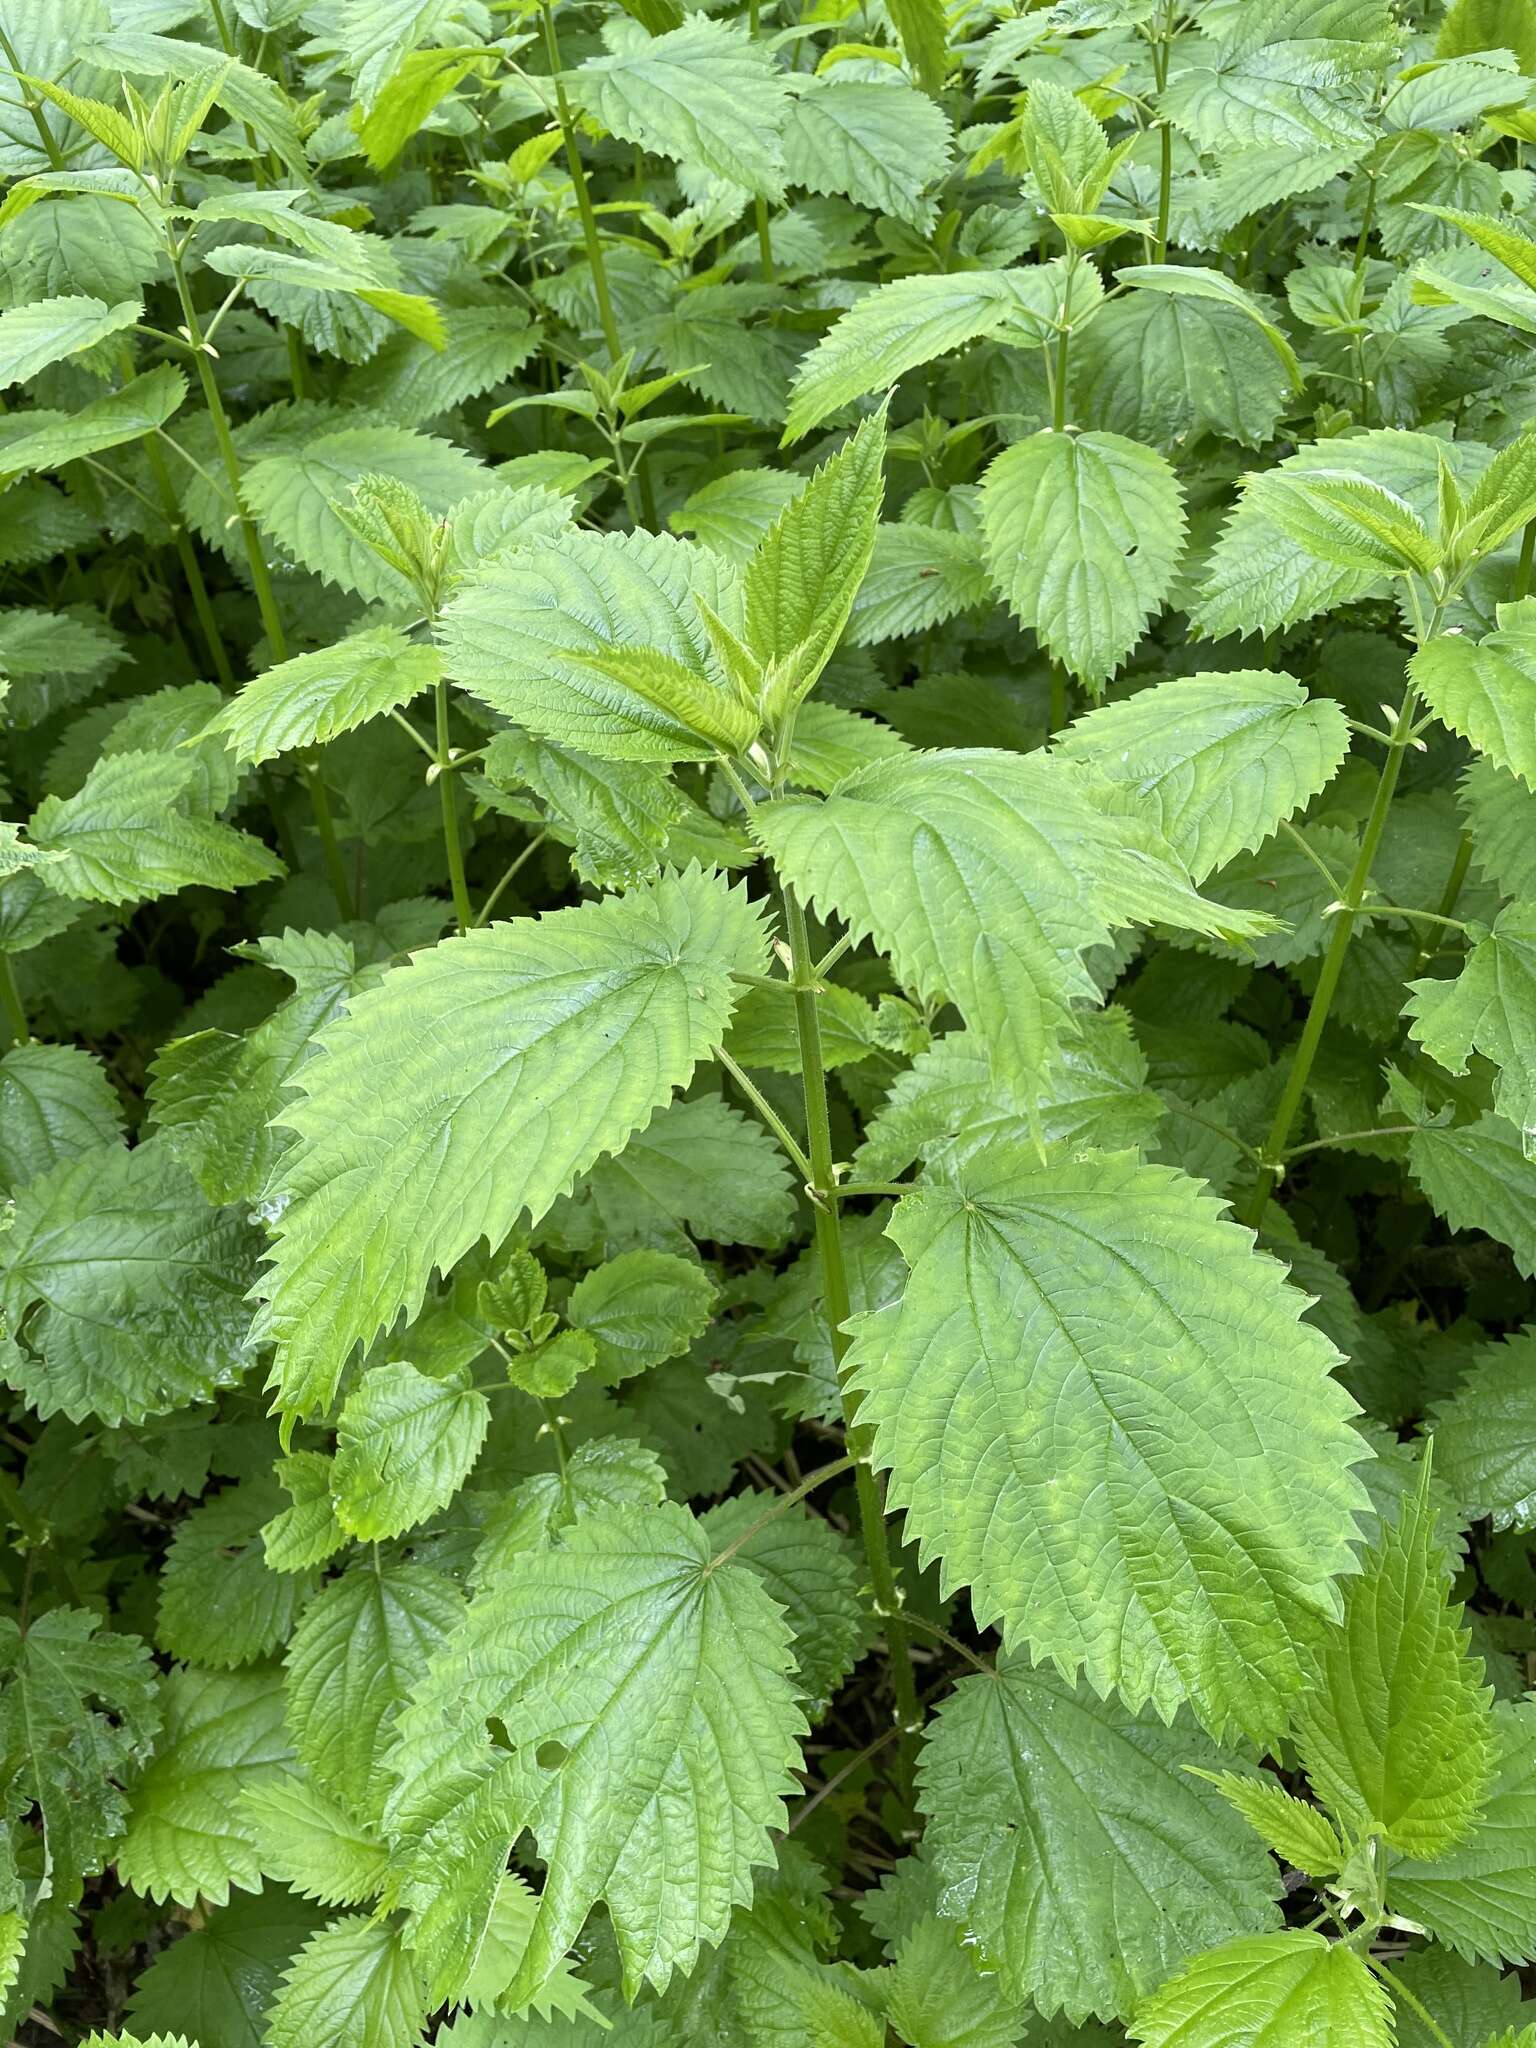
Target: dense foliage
(768, 952)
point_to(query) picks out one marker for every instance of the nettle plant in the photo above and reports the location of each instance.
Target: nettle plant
(769, 970)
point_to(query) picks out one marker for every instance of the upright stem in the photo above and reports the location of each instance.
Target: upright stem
(255, 553)
(1064, 349)
(760, 205)
(1273, 1155)
(1165, 139)
(261, 575)
(579, 185)
(463, 909)
(1523, 567)
(11, 1003)
(838, 1307)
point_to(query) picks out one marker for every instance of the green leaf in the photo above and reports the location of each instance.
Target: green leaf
(218, 1979)
(1470, 2001)
(1504, 498)
(918, 577)
(641, 1308)
(698, 1166)
(542, 637)
(1346, 521)
(406, 99)
(1485, 1435)
(1302, 1834)
(1083, 532)
(308, 1842)
(1490, 1007)
(1196, 281)
(353, 1985)
(1086, 1489)
(308, 1533)
(1093, 1095)
(1257, 580)
(1175, 370)
(39, 643)
(1501, 818)
(899, 326)
(405, 1444)
(604, 1010)
(1393, 1726)
(294, 496)
(644, 1716)
(922, 28)
(615, 816)
(214, 1095)
(219, 1604)
(1486, 689)
(126, 835)
(802, 580)
(880, 144)
(703, 94)
(55, 1103)
(360, 1647)
(79, 1708)
(1071, 1838)
(32, 337)
(1291, 1990)
(122, 1289)
(985, 876)
(1477, 1897)
(938, 1998)
(1478, 1178)
(412, 383)
(608, 1472)
(36, 439)
(187, 1836)
(313, 697)
(1218, 760)
(810, 1571)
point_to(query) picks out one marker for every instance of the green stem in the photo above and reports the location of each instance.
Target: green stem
(782, 1505)
(330, 850)
(1400, 1990)
(510, 876)
(768, 1113)
(837, 1307)
(589, 232)
(45, 134)
(1523, 567)
(1061, 710)
(463, 909)
(942, 1635)
(1274, 1150)
(1160, 48)
(1063, 355)
(1367, 222)
(760, 205)
(255, 553)
(261, 575)
(1448, 900)
(1351, 1138)
(10, 1001)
